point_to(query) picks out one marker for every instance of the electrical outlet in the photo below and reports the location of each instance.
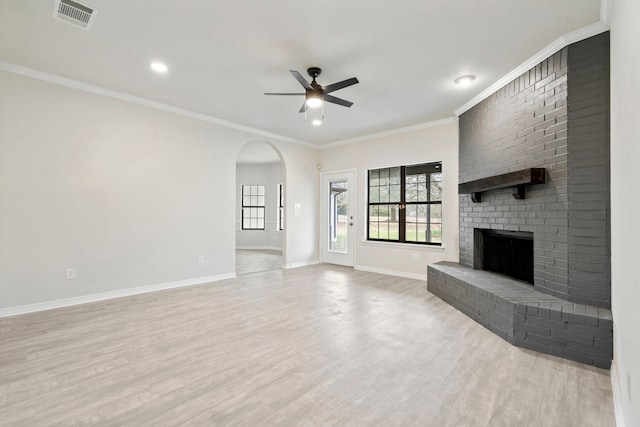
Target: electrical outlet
(70, 273)
(629, 386)
(416, 257)
(201, 259)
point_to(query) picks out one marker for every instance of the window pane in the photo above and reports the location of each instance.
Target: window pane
(421, 234)
(411, 193)
(394, 230)
(374, 194)
(384, 194)
(394, 176)
(383, 212)
(260, 201)
(422, 192)
(373, 213)
(410, 232)
(436, 213)
(383, 230)
(436, 233)
(374, 177)
(436, 188)
(260, 190)
(373, 229)
(411, 213)
(421, 213)
(384, 176)
(394, 193)
(393, 213)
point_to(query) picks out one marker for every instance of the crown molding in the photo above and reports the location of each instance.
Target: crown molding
(98, 90)
(605, 12)
(561, 42)
(391, 132)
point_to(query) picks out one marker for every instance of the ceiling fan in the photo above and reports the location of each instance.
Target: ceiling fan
(316, 94)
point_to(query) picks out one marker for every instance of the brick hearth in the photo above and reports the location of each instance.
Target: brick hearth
(525, 317)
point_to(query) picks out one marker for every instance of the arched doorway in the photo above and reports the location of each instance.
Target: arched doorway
(259, 208)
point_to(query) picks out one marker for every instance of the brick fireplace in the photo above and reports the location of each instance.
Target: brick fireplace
(509, 253)
(553, 119)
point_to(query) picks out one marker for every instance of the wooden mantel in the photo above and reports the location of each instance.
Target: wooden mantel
(519, 179)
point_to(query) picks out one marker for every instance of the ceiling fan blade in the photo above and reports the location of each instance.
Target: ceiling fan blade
(305, 84)
(302, 109)
(284, 93)
(340, 85)
(339, 101)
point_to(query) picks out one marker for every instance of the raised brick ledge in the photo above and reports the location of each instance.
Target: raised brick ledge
(525, 317)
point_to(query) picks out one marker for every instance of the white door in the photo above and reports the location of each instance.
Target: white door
(338, 217)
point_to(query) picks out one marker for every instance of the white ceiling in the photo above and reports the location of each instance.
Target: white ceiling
(223, 55)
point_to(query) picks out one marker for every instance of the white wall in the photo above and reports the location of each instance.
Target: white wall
(301, 187)
(127, 195)
(269, 175)
(421, 146)
(625, 203)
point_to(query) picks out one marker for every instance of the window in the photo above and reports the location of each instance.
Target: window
(405, 204)
(253, 207)
(280, 225)
(338, 216)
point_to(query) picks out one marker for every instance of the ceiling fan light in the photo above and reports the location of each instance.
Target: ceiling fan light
(316, 122)
(314, 102)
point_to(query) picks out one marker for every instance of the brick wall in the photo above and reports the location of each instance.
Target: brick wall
(589, 204)
(553, 116)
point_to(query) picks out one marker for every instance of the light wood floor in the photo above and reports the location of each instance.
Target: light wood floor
(319, 345)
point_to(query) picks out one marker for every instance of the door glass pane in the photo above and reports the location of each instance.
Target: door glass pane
(338, 219)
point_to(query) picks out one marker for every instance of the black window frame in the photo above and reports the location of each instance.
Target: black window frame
(399, 208)
(280, 224)
(254, 202)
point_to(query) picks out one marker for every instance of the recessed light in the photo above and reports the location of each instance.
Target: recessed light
(159, 67)
(465, 80)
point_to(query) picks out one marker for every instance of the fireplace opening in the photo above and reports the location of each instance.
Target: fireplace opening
(505, 252)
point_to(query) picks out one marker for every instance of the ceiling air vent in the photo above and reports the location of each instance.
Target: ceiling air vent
(74, 13)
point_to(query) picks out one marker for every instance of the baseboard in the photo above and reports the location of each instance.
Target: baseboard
(301, 264)
(617, 398)
(259, 248)
(396, 273)
(67, 302)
